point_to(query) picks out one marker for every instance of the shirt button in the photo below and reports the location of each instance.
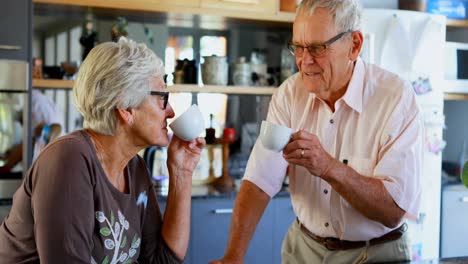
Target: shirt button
(332, 121)
(325, 191)
(326, 224)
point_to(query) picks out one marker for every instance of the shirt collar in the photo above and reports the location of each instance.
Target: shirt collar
(355, 92)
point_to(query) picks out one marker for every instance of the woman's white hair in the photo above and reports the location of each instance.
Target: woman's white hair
(114, 75)
(347, 13)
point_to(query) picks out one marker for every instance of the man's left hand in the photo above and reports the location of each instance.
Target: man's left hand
(304, 149)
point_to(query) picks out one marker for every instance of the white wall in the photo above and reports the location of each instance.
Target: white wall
(136, 31)
(159, 34)
(36, 46)
(390, 4)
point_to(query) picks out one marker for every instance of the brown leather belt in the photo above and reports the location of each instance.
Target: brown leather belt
(333, 243)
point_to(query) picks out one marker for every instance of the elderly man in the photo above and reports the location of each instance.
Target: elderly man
(355, 160)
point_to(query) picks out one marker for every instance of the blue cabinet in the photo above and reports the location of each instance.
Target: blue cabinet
(15, 29)
(211, 220)
(283, 218)
(210, 228)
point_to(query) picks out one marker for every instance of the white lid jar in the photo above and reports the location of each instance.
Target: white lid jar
(242, 73)
(215, 70)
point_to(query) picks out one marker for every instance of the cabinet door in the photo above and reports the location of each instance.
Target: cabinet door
(454, 231)
(261, 245)
(15, 29)
(210, 229)
(258, 6)
(283, 218)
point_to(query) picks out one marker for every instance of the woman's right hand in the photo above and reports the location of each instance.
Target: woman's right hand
(183, 156)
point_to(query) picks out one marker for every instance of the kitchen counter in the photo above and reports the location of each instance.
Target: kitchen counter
(198, 192)
(210, 191)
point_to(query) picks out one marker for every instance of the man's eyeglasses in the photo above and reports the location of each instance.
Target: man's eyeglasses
(315, 50)
(163, 96)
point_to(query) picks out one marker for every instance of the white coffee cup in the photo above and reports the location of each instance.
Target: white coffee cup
(189, 125)
(274, 137)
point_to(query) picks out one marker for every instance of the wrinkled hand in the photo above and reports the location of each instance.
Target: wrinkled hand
(183, 156)
(304, 149)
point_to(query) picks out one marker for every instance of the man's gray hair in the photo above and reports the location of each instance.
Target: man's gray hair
(347, 13)
(114, 75)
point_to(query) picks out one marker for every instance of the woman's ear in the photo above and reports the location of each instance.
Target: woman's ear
(127, 116)
(357, 41)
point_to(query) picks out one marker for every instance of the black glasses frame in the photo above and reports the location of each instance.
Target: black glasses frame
(322, 47)
(165, 96)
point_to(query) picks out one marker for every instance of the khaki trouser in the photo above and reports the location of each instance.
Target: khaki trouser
(299, 248)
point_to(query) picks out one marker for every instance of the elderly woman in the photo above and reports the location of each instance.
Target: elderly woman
(88, 198)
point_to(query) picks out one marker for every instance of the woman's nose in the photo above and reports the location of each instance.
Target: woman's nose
(169, 111)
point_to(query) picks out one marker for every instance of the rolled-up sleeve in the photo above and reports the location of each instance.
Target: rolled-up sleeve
(266, 168)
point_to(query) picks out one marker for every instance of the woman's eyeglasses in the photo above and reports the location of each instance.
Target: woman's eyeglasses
(315, 50)
(163, 96)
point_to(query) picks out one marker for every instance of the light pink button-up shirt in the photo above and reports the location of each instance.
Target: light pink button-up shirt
(376, 126)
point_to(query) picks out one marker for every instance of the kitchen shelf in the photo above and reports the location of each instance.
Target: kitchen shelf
(52, 84)
(194, 88)
(246, 90)
(226, 9)
(457, 23)
(177, 88)
(455, 96)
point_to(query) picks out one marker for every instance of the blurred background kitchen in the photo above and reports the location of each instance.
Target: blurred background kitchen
(228, 57)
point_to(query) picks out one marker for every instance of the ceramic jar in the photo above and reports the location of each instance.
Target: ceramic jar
(215, 70)
(242, 73)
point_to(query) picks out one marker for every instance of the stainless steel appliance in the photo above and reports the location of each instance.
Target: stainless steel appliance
(14, 83)
(456, 67)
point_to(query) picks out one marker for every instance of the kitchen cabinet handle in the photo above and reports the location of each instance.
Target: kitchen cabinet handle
(9, 47)
(222, 211)
(255, 2)
(464, 199)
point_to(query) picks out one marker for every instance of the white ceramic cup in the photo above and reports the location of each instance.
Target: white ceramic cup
(189, 125)
(274, 137)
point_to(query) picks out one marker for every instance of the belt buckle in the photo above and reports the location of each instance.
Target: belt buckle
(331, 243)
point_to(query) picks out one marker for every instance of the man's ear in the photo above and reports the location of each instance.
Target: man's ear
(127, 116)
(357, 40)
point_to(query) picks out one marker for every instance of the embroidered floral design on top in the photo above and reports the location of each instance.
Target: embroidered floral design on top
(117, 239)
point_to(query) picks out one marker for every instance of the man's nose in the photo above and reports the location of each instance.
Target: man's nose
(307, 57)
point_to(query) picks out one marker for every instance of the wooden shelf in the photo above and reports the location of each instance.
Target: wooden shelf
(52, 84)
(457, 23)
(455, 96)
(286, 16)
(178, 88)
(246, 90)
(194, 88)
(224, 9)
